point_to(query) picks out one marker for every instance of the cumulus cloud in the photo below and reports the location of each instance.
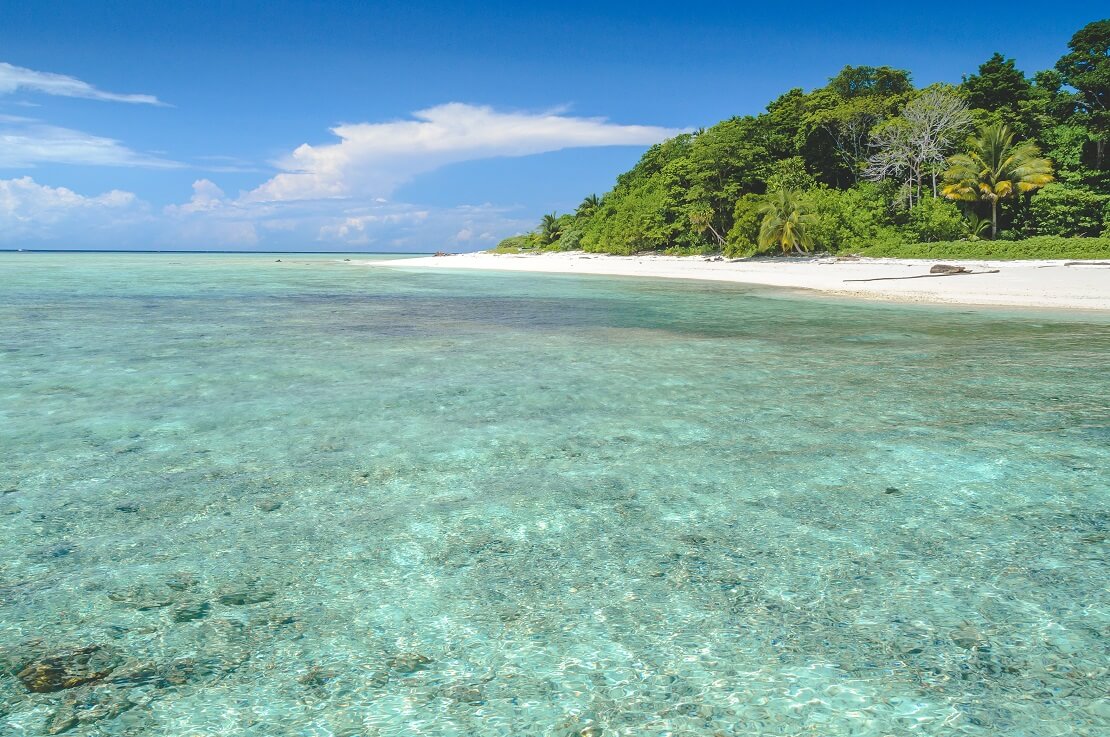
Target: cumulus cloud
(372, 159)
(29, 210)
(334, 195)
(360, 230)
(206, 198)
(210, 219)
(26, 199)
(13, 79)
(25, 142)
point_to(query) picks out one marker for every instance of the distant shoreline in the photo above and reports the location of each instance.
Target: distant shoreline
(239, 253)
(1072, 285)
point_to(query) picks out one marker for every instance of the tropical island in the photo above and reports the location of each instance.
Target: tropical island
(1001, 166)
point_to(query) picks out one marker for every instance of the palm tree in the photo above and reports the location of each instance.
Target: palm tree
(786, 222)
(996, 168)
(549, 228)
(701, 217)
(588, 207)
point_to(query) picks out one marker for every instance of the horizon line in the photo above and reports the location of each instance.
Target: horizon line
(152, 250)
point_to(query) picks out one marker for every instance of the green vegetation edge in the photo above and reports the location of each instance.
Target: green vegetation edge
(1001, 166)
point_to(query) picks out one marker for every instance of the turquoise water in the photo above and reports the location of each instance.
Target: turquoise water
(241, 497)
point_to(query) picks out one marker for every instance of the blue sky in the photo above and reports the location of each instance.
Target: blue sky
(410, 126)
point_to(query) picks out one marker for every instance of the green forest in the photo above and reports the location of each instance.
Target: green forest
(1000, 166)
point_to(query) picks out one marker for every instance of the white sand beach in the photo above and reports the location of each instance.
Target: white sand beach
(1051, 284)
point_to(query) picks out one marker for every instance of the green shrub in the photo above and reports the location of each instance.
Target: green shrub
(636, 222)
(790, 174)
(849, 219)
(1065, 209)
(935, 219)
(518, 243)
(570, 240)
(743, 238)
(1038, 247)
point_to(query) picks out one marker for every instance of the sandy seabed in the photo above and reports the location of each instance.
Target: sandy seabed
(1054, 284)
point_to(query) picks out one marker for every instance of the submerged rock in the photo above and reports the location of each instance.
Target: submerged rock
(409, 662)
(181, 581)
(86, 707)
(244, 598)
(968, 638)
(251, 592)
(160, 675)
(136, 674)
(60, 550)
(191, 612)
(581, 730)
(269, 505)
(465, 694)
(67, 669)
(62, 720)
(142, 598)
(317, 676)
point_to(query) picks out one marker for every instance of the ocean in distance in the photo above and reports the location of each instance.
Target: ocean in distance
(243, 497)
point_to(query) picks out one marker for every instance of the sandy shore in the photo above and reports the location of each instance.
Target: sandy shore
(1054, 284)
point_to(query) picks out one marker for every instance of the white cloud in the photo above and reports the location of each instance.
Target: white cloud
(32, 210)
(211, 220)
(206, 197)
(36, 213)
(358, 230)
(25, 199)
(13, 79)
(372, 159)
(335, 195)
(25, 142)
(399, 226)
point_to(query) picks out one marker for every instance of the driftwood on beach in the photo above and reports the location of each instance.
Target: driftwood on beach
(926, 276)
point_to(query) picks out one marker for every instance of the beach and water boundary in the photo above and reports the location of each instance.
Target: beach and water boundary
(1083, 285)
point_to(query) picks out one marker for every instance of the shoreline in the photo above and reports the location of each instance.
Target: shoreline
(1071, 285)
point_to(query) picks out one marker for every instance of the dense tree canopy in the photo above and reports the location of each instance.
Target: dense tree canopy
(1002, 93)
(860, 162)
(1087, 69)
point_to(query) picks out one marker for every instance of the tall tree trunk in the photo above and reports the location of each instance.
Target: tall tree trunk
(720, 240)
(934, 184)
(994, 218)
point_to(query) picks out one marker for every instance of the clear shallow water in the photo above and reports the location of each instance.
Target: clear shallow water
(309, 498)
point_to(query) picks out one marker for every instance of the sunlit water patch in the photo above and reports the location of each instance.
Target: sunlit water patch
(242, 497)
